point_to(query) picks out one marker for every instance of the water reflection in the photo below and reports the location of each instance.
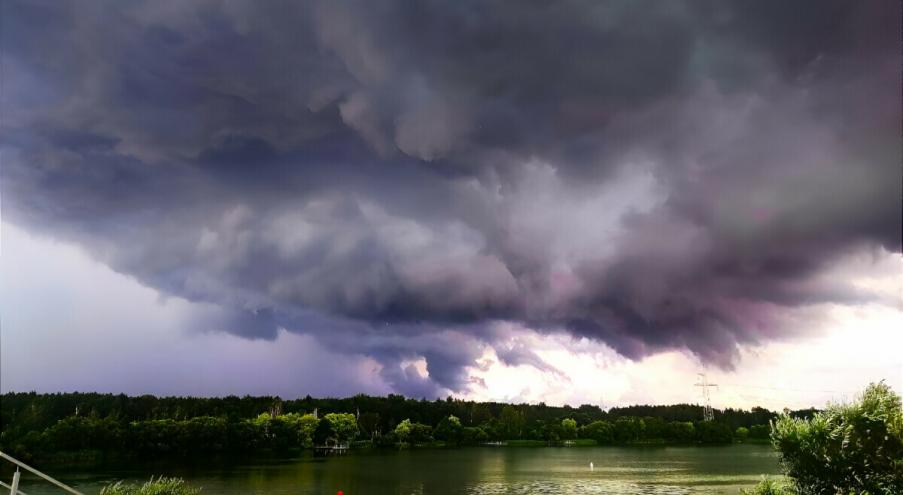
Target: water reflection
(570, 487)
(471, 471)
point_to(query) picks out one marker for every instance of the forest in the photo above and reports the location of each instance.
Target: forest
(92, 426)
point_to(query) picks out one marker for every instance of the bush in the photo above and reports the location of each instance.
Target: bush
(851, 449)
(159, 486)
(770, 487)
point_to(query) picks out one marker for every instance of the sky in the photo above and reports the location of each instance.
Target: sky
(569, 202)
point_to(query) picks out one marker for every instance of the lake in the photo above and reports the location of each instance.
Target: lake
(469, 471)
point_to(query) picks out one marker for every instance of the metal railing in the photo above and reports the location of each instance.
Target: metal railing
(14, 487)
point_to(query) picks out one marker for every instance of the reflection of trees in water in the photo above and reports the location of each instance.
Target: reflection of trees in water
(569, 487)
(472, 471)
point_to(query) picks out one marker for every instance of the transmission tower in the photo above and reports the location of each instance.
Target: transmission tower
(708, 413)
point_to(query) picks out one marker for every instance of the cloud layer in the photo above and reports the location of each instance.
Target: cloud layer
(396, 179)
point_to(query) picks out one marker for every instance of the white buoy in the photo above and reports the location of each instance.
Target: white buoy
(591, 466)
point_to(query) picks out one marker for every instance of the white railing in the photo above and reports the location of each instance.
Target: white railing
(14, 487)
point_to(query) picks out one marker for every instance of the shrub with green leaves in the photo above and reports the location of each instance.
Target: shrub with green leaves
(159, 486)
(849, 449)
(769, 486)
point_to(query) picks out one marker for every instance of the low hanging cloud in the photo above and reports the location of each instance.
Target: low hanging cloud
(396, 179)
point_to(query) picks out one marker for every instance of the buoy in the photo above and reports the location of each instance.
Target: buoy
(591, 466)
(340, 493)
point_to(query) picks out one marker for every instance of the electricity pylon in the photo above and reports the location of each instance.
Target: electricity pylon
(708, 414)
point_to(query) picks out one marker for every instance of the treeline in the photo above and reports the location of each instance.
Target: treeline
(36, 425)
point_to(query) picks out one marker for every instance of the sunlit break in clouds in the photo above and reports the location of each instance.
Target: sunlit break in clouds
(566, 202)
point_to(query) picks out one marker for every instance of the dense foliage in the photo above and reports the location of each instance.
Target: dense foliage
(847, 449)
(38, 425)
(159, 486)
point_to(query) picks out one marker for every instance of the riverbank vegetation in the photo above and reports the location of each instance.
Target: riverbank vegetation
(159, 486)
(91, 427)
(850, 449)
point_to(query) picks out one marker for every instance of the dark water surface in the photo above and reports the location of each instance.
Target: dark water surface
(471, 471)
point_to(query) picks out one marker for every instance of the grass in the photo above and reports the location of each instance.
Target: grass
(770, 486)
(159, 486)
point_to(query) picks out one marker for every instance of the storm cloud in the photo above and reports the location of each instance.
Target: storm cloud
(396, 178)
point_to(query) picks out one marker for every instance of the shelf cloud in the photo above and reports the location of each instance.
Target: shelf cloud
(399, 180)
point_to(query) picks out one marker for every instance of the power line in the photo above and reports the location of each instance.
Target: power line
(783, 389)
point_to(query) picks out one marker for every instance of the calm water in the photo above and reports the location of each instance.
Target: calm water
(471, 471)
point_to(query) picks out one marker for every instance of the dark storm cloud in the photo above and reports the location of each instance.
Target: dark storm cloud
(393, 177)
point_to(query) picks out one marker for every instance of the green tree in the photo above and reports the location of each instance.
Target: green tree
(449, 430)
(410, 432)
(473, 435)
(713, 432)
(324, 434)
(344, 425)
(369, 423)
(421, 433)
(494, 430)
(741, 434)
(628, 430)
(306, 425)
(403, 430)
(550, 432)
(600, 431)
(680, 431)
(512, 422)
(848, 448)
(568, 429)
